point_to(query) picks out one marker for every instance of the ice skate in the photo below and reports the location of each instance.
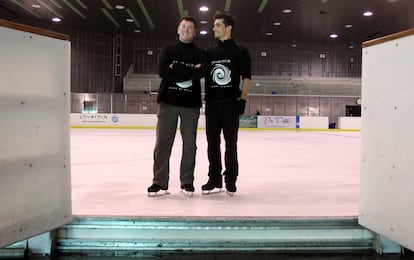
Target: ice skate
(212, 191)
(187, 190)
(231, 187)
(155, 190)
(214, 185)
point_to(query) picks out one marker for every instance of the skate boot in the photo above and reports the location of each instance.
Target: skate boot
(156, 190)
(213, 185)
(187, 190)
(231, 186)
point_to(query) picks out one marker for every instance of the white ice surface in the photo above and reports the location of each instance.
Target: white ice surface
(282, 174)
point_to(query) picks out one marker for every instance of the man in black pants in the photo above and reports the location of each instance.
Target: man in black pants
(181, 66)
(228, 65)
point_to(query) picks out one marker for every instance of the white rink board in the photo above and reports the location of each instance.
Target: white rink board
(34, 134)
(349, 123)
(79, 120)
(387, 128)
(119, 120)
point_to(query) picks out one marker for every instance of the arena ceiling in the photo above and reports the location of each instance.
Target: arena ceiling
(291, 21)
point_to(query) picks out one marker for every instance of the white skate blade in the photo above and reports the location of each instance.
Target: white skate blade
(213, 191)
(230, 193)
(187, 193)
(158, 193)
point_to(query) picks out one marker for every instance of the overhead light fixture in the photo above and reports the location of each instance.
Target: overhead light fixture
(333, 35)
(287, 11)
(368, 13)
(137, 31)
(203, 9)
(203, 32)
(277, 23)
(129, 20)
(119, 7)
(269, 33)
(348, 26)
(56, 19)
(36, 6)
(203, 22)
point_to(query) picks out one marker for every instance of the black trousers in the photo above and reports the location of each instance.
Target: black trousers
(222, 115)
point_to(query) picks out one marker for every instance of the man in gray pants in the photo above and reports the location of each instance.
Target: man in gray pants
(181, 66)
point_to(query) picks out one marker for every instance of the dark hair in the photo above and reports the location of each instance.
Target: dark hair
(228, 19)
(189, 19)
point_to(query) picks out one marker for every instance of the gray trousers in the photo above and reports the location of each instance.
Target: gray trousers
(166, 129)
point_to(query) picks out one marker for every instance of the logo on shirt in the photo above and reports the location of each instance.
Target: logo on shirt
(185, 84)
(221, 74)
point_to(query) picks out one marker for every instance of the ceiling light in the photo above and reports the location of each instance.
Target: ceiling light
(129, 20)
(287, 11)
(36, 6)
(137, 31)
(203, 9)
(203, 32)
(333, 35)
(368, 13)
(269, 33)
(119, 7)
(277, 23)
(56, 19)
(203, 22)
(348, 26)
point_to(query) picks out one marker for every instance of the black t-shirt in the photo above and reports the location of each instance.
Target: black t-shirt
(227, 64)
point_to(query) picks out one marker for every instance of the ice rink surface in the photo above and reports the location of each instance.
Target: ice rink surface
(282, 174)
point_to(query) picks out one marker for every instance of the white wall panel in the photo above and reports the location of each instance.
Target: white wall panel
(34, 134)
(387, 194)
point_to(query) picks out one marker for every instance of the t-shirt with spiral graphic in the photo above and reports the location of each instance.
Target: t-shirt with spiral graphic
(228, 63)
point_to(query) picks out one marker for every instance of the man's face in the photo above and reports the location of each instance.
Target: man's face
(186, 31)
(221, 32)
